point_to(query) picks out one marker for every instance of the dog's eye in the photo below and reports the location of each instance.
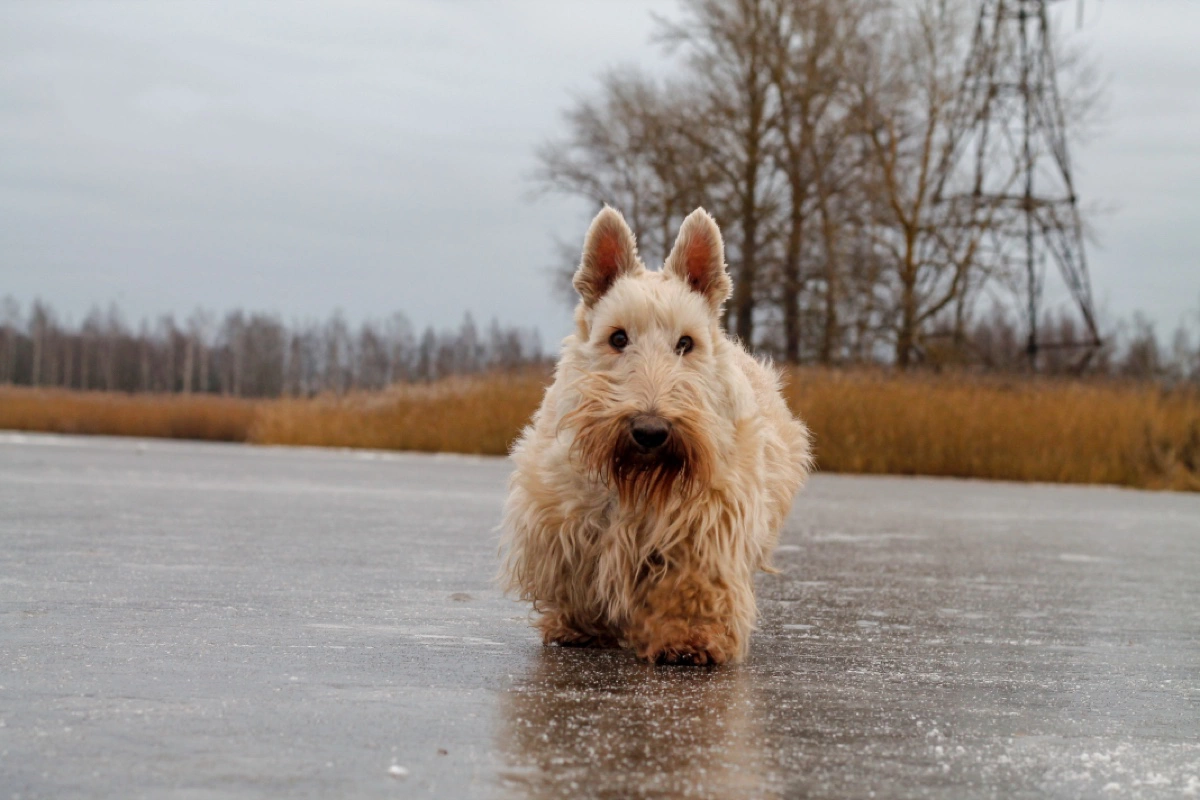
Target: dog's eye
(684, 345)
(618, 340)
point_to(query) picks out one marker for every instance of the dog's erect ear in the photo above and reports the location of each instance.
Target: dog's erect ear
(609, 252)
(698, 258)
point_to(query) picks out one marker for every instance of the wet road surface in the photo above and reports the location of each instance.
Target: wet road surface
(199, 620)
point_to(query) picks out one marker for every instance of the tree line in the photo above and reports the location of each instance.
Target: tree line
(256, 355)
(245, 354)
(833, 142)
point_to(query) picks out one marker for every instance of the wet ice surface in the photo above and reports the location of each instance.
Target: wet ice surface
(185, 620)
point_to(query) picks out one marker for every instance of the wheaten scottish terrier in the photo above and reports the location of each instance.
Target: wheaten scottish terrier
(651, 484)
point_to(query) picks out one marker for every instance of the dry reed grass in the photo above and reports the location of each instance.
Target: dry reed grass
(1010, 429)
(116, 414)
(456, 415)
(867, 422)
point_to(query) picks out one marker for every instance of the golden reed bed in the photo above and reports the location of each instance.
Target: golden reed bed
(869, 422)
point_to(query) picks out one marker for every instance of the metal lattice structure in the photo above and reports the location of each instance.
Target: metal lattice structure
(1013, 127)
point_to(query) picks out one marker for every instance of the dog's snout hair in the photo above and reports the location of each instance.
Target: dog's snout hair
(648, 459)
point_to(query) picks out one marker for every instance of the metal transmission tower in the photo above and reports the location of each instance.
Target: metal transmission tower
(1012, 124)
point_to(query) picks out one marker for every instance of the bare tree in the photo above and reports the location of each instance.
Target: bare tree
(89, 334)
(812, 47)
(904, 105)
(632, 146)
(401, 346)
(1142, 357)
(337, 354)
(66, 344)
(726, 45)
(10, 324)
(40, 321)
(111, 337)
(373, 358)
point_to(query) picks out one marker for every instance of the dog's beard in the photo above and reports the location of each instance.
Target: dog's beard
(603, 443)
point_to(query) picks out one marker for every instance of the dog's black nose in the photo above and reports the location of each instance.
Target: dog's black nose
(649, 431)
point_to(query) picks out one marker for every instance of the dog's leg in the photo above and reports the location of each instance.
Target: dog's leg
(559, 628)
(691, 616)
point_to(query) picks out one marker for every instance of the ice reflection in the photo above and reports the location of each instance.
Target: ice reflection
(601, 724)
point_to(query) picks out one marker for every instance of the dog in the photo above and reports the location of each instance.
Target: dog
(652, 483)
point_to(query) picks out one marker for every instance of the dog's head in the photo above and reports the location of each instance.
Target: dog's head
(647, 359)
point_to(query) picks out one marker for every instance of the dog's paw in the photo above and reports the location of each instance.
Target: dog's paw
(685, 657)
(690, 653)
(559, 632)
(681, 642)
(575, 639)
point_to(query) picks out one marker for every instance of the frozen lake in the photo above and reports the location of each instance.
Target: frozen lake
(198, 620)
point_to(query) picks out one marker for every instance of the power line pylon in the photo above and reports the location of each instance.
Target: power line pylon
(1014, 128)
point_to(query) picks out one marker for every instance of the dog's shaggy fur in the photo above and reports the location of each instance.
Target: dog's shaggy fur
(617, 535)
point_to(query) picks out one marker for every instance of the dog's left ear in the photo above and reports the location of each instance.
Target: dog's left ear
(698, 258)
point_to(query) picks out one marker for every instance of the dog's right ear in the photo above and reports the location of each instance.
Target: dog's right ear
(609, 251)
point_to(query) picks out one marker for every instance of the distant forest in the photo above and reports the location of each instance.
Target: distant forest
(245, 354)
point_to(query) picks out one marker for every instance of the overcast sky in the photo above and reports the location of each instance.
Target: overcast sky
(298, 158)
